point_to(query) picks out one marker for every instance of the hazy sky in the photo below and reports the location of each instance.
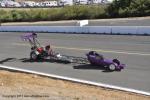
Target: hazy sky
(110, 0)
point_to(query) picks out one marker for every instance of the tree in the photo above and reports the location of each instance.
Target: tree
(129, 8)
(140, 7)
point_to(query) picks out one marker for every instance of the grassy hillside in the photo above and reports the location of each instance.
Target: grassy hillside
(53, 14)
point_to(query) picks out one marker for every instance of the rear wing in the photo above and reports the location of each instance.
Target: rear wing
(29, 36)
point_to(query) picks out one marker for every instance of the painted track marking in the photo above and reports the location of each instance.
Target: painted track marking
(99, 50)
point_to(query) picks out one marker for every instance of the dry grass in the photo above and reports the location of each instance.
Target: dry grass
(22, 85)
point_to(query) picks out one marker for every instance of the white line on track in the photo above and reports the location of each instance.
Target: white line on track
(107, 51)
(77, 80)
(99, 50)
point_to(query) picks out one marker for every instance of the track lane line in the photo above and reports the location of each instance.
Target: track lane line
(99, 50)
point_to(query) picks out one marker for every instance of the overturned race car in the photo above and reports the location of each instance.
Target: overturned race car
(39, 52)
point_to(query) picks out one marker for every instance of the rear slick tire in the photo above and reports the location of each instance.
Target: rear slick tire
(33, 56)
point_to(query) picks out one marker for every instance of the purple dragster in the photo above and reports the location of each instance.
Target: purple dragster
(97, 59)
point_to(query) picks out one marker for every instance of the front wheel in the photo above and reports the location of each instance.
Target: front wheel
(33, 55)
(112, 67)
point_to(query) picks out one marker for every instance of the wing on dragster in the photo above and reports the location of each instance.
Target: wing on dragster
(31, 38)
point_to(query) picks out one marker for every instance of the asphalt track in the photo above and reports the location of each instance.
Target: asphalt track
(134, 51)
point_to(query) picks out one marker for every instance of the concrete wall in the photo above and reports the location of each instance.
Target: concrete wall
(139, 30)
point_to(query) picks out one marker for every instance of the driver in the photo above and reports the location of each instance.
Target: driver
(49, 50)
(99, 56)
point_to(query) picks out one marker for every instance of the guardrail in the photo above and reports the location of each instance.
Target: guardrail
(135, 30)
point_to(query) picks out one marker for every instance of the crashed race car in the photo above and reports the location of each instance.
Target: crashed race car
(97, 59)
(39, 52)
(46, 53)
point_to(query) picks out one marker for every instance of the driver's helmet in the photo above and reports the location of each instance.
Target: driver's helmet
(47, 47)
(94, 53)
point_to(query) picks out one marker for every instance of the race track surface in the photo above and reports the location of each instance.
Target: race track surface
(134, 51)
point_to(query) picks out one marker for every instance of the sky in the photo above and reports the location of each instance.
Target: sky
(110, 0)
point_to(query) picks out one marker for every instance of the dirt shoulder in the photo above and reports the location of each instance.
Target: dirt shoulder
(22, 86)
